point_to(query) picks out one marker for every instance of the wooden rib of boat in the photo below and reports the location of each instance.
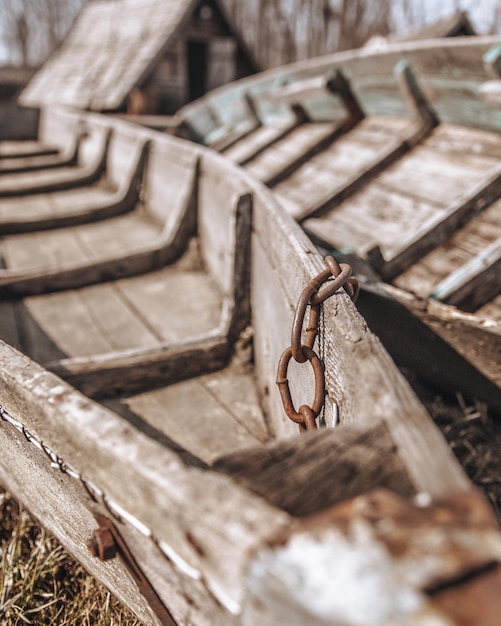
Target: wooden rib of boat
(423, 217)
(186, 489)
(73, 197)
(70, 175)
(66, 157)
(26, 148)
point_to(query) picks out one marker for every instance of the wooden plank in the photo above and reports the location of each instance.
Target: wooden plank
(104, 322)
(176, 411)
(345, 161)
(298, 146)
(64, 178)
(438, 177)
(296, 474)
(23, 149)
(139, 312)
(259, 140)
(435, 231)
(423, 276)
(189, 539)
(58, 248)
(176, 304)
(347, 349)
(366, 547)
(461, 139)
(474, 283)
(36, 250)
(449, 352)
(68, 157)
(139, 245)
(374, 216)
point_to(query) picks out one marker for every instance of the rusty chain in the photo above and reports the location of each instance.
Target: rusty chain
(316, 291)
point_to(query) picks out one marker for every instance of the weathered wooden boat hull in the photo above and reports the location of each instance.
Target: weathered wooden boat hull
(447, 79)
(207, 535)
(446, 341)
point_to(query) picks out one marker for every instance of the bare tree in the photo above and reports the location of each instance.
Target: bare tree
(31, 29)
(282, 31)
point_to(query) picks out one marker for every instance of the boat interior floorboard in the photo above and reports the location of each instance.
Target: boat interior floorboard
(231, 420)
(347, 158)
(23, 180)
(466, 243)
(419, 189)
(176, 303)
(52, 203)
(255, 141)
(282, 152)
(86, 243)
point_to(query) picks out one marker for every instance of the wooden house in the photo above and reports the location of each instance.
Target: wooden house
(141, 57)
(12, 79)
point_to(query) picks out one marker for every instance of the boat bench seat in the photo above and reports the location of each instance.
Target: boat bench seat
(330, 167)
(404, 212)
(151, 235)
(164, 310)
(26, 148)
(90, 169)
(66, 157)
(464, 264)
(100, 197)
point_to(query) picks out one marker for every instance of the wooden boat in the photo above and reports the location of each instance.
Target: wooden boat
(412, 189)
(182, 484)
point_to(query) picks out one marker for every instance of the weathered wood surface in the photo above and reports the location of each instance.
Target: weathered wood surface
(296, 474)
(24, 149)
(65, 158)
(450, 72)
(180, 406)
(380, 532)
(192, 551)
(82, 204)
(476, 337)
(326, 178)
(420, 207)
(44, 181)
(458, 352)
(145, 239)
(286, 154)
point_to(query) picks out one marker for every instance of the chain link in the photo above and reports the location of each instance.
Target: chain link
(313, 295)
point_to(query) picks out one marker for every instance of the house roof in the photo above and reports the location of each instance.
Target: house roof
(110, 48)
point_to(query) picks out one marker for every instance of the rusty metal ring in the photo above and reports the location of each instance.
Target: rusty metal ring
(331, 287)
(283, 383)
(305, 299)
(309, 418)
(297, 330)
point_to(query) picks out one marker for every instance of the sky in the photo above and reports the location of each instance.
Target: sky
(479, 11)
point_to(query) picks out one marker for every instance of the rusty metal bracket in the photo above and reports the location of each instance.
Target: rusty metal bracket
(106, 543)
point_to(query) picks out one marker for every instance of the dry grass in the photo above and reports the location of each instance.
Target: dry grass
(41, 584)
